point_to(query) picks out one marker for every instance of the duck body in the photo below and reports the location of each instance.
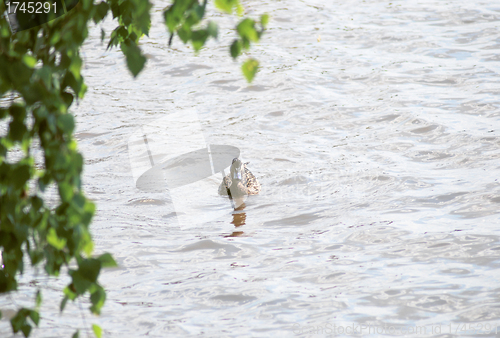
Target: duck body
(239, 182)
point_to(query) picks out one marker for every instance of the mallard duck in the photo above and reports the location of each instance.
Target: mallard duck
(239, 182)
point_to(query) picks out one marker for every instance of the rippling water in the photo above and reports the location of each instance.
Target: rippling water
(373, 128)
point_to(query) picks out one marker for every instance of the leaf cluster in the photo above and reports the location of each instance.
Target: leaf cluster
(134, 22)
(40, 78)
(184, 17)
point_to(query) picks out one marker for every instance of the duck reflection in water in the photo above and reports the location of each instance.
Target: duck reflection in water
(239, 218)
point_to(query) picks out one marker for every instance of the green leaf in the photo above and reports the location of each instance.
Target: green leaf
(236, 48)
(89, 269)
(79, 202)
(75, 67)
(66, 191)
(75, 83)
(68, 293)
(88, 245)
(63, 303)
(38, 298)
(19, 323)
(228, 5)
(264, 20)
(26, 329)
(101, 11)
(18, 73)
(17, 130)
(54, 240)
(97, 330)
(107, 261)
(45, 74)
(29, 60)
(56, 37)
(68, 98)
(246, 29)
(17, 111)
(134, 57)
(76, 334)
(22, 175)
(250, 68)
(184, 33)
(98, 297)
(118, 35)
(212, 29)
(198, 38)
(4, 31)
(7, 282)
(174, 15)
(239, 9)
(66, 123)
(80, 283)
(35, 317)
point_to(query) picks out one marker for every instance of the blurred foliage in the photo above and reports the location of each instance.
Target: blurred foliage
(184, 18)
(40, 78)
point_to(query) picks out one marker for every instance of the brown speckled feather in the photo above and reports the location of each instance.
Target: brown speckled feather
(248, 181)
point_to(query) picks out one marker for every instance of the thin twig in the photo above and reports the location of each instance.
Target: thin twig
(84, 320)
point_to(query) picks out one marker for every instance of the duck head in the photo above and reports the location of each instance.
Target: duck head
(235, 171)
(236, 191)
